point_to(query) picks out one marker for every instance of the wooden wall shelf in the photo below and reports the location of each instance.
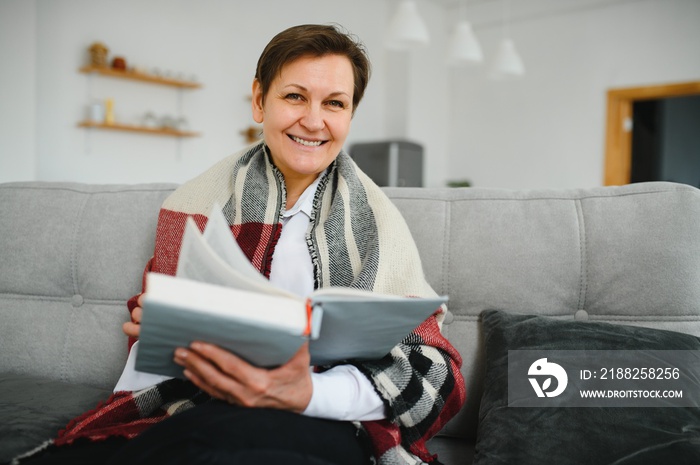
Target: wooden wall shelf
(139, 129)
(136, 76)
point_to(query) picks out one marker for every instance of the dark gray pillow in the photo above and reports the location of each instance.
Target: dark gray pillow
(578, 435)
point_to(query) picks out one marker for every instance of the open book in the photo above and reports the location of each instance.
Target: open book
(217, 296)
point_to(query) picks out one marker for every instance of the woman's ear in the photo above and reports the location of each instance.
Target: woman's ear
(257, 102)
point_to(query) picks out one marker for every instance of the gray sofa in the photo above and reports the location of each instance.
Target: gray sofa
(72, 254)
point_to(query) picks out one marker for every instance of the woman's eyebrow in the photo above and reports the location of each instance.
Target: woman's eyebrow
(337, 93)
(332, 94)
(298, 86)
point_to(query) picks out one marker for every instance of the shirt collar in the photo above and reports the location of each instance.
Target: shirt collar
(306, 200)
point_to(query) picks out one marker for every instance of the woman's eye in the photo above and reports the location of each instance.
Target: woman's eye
(293, 97)
(337, 104)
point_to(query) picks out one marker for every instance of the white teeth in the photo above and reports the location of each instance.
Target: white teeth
(307, 143)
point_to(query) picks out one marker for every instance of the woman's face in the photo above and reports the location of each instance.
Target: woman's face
(306, 115)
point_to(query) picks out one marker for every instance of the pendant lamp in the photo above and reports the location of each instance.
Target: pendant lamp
(507, 63)
(464, 47)
(407, 29)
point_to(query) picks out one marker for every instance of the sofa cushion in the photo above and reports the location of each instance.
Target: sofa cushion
(620, 435)
(72, 255)
(34, 409)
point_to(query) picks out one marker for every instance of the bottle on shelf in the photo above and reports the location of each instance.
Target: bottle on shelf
(109, 112)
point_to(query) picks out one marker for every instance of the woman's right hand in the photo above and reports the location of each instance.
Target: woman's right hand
(133, 328)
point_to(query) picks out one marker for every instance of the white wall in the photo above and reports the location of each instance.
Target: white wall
(217, 40)
(547, 130)
(428, 97)
(17, 90)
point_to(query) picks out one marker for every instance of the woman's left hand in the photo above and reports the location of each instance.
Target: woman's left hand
(225, 376)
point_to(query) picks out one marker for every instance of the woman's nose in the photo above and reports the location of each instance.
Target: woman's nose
(312, 118)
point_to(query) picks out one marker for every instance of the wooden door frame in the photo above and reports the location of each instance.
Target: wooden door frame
(618, 139)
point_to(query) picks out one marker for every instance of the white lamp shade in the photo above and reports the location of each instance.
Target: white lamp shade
(407, 29)
(507, 62)
(464, 46)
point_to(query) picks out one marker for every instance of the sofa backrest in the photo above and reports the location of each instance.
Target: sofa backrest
(72, 254)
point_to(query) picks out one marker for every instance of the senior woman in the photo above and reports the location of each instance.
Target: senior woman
(306, 217)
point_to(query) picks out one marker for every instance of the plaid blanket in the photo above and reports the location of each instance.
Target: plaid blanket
(357, 239)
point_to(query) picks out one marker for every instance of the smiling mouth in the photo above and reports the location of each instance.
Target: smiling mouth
(307, 143)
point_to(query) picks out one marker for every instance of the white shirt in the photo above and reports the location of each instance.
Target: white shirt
(341, 393)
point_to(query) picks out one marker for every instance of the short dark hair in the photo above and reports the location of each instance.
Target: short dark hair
(314, 40)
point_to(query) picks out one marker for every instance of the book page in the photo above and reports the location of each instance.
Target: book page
(350, 293)
(218, 235)
(198, 261)
(244, 306)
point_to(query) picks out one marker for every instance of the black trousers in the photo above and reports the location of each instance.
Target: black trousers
(218, 433)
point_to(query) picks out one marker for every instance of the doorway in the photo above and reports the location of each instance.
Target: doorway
(652, 134)
(666, 140)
